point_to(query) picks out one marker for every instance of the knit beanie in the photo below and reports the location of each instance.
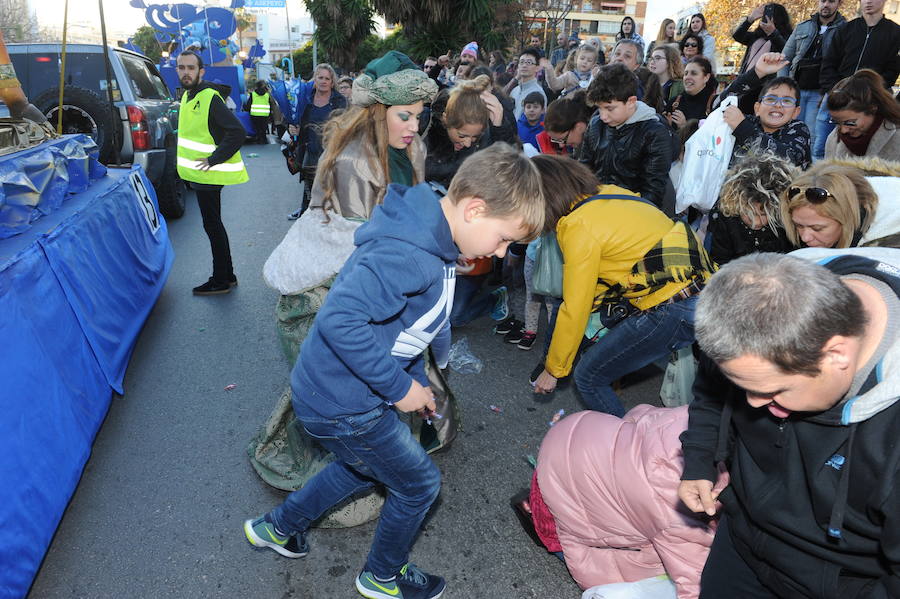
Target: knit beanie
(392, 80)
(471, 49)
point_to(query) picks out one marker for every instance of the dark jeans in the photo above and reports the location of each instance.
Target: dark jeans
(210, 202)
(260, 125)
(638, 340)
(469, 301)
(371, 447)
(726, 574)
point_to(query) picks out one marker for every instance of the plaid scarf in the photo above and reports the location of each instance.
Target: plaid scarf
(679, 257)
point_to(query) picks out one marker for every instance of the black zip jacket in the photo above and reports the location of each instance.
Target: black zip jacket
(225, 128)
(792, 141)
(636, 156)
(856, 46)
(731, 238)
(813, 504)
(744, 36)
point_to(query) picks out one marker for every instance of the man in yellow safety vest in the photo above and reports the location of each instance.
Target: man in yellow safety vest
(260, 104)
(209, 141)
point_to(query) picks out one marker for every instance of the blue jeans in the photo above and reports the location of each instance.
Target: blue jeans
(809, 110)
(823, 129)
(467, 303)
(633, 343)
(371, 447)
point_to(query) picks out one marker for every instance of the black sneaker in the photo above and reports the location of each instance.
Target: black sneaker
(411, 583)
(527, 340)
(212, 287)
(515, 335)
(233, 281)
(510, 324)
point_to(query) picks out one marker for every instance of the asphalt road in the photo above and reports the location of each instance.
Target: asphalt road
(159, 508)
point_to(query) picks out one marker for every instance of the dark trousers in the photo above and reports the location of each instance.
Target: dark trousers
(210, 200)
(260, 125)
(726, 574)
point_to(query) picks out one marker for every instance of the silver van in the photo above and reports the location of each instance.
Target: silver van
(146, 122)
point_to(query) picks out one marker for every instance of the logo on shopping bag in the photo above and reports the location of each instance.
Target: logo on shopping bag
(715, 150)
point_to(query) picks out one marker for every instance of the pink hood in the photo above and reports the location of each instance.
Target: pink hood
(612, 487)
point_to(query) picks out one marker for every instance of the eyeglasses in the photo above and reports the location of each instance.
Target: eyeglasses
(814, 195)
(563, 141)
(526, 62)
(691, 45)
(771, 100)
(850, 123)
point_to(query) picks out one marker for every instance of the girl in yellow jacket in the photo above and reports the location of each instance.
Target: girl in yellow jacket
(629, 263)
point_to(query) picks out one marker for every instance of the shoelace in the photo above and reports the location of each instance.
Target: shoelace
(411, 573)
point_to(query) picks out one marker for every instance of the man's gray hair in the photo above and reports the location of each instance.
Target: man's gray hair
(779, 308)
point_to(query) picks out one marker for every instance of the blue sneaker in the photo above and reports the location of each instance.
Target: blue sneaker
(262, 533)
(411, 583)
(501, 304)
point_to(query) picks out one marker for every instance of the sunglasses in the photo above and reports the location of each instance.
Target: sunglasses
(561, 142)
(814, 195)
(691, 45)
(771, 100)
(850, 123)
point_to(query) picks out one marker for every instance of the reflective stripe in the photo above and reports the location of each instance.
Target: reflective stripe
(225, 167)
(196, 145)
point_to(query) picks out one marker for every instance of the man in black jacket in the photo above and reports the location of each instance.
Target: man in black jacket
(627, 143)
(797, 396)
(871, 41)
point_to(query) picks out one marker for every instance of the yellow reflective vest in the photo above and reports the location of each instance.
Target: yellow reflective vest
(259, 104)
(195, 142)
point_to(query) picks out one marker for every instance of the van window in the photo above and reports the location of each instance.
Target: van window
(145, 81)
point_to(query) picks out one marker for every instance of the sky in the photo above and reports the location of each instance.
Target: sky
(657, 10)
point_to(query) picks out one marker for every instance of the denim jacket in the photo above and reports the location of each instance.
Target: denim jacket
(798, 43)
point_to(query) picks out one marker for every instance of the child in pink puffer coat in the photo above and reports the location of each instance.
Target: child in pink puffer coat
(611, 486)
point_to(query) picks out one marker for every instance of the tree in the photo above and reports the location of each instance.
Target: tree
(243, 20)
(145, 39)
(550, 12)
(341, 26)
(723, 17)
(16, 23)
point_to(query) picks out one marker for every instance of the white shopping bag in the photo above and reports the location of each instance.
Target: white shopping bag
(706, 156)
(658, 587)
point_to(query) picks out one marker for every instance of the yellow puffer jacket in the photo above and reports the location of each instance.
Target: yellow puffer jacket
(601, 242)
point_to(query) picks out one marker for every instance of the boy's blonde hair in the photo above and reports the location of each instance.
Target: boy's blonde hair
(757, 179)
(508, 183)
(852, 200)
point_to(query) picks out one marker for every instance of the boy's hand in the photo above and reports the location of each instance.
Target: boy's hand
(770, 63)
(416, 398)
(544, 63)
(698, 495)
(678, 118)
(545, 383)
(733, 116)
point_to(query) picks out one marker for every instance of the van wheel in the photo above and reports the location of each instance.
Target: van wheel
(84, 111)
(170, 188)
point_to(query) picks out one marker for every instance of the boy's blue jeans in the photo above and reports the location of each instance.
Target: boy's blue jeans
(809, 110)
(371, 447)
(635, 342)
(823, 129)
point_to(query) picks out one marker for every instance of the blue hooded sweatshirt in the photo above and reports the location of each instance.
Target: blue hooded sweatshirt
(528, 133)
(391, 298)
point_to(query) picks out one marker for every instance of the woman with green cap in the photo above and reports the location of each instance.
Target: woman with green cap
(370, 145)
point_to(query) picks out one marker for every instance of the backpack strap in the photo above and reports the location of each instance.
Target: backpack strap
(611, 196)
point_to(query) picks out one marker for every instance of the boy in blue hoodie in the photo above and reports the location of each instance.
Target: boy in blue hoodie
(531, 123)
(362, 360)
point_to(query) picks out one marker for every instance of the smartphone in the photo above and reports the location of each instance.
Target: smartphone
(768, 13)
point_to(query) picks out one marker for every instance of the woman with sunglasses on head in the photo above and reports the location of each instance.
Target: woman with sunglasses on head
(829, 206)
(866, 118)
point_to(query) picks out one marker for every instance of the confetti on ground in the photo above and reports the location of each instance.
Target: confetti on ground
(253, 155)
(531, 460)
(230, 387)
(494, 408)
(201, 329)
(557, 416)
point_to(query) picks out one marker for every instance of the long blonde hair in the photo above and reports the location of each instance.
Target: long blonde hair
(852, 201)
(661, 36)
(369, 124)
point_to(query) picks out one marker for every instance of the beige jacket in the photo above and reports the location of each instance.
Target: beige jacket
(358, 185)
(885, 144)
